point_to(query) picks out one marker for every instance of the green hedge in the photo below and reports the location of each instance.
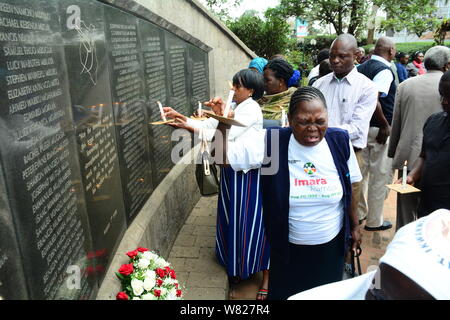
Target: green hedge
(411, 47)
(305, 52)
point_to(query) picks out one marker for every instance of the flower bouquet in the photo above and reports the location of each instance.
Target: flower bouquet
(147, 276)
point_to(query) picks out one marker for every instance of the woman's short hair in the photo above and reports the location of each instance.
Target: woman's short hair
(400, 55)
(281, 69)
(251, 80)
(305, 94)
(436, 58)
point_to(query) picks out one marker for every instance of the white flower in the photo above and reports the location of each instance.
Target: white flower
(149, 255)
(143, 263)
(138, 287)
(161, 263)
(137, 298)
(149, 296)
(150, 274)
(170, 281)
(163, 291)
(150, 281)
(172, 294)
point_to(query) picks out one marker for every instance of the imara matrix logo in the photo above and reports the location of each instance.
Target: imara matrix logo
(309, 168)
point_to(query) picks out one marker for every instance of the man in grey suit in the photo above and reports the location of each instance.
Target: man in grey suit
(416, 99)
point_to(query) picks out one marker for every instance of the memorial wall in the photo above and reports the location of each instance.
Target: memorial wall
(78, 156)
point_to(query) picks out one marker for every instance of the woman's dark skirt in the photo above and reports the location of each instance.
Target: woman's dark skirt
(309, 266)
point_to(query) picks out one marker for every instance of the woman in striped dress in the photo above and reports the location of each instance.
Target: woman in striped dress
(241, 244)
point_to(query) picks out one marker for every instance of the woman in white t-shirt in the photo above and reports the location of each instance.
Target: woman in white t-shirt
(307, 171)
(241, 244)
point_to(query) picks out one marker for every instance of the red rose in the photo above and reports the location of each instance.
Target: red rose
(160, 272)
(132, 254)
(179, 293)
(157, 293)
(122, 296)
(159, 282)
(91, 255)
(90, 270)
(140, 249)
(176, 285)
(100, 253)
(126, 269)
(172, 274)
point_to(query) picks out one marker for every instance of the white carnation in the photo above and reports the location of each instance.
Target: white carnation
(138, 287)
(163, 291)
(143, 263)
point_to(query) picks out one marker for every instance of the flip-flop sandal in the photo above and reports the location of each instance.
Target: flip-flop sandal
(262, 293)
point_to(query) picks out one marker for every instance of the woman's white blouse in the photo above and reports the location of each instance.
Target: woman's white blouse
(247, 112)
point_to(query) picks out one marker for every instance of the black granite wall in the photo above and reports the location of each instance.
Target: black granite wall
(78, 158)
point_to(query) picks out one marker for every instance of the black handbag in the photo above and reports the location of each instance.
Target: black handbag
(206, 173)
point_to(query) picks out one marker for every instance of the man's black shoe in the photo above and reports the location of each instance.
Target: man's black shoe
(386, 225)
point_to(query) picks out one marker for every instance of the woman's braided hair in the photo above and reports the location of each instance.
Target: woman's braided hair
(281, 69)
(305, 94)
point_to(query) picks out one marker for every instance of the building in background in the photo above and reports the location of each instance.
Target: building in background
(301, 28)
(443, 12)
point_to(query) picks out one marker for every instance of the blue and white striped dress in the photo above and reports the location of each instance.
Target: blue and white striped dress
(241, 243)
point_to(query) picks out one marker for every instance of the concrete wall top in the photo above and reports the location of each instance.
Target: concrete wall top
(190, 20)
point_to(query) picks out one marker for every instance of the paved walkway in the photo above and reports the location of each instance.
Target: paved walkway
(193, 255)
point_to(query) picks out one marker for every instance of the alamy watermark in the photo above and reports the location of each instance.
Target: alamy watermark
(185, 142)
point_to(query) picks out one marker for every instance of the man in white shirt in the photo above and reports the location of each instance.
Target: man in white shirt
(376, 166)
(351, 97)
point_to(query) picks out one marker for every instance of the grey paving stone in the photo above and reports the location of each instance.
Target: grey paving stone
(204, 212)
(207, 253)
(182, 278)
(205, 242)
(205, 280)
(206, 265)
(185, 240)
(206, 221)
(206, 294)
(187, 229)
(184, 252)
(206, 231)
(178, 264)
(191, 220)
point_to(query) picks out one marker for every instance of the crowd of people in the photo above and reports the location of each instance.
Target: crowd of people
(358, 120)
